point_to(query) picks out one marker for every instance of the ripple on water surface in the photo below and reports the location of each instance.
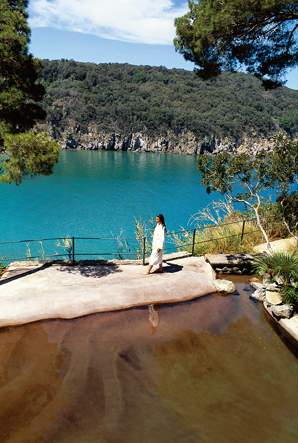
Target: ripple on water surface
(212, 371)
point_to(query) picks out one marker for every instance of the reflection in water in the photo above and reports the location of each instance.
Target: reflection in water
(214, 372)
(153, 317)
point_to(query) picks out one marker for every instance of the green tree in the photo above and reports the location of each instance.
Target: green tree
(20, 96)
(170, 100)
(27, 154)
(220, 35)
(243, 178)
(283, 270)
(288, 208)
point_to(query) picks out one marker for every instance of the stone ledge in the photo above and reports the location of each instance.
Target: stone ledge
(230, 263)
(289, 326)
(22, 268)
(282, 245)
(228, 259)
(64, 291)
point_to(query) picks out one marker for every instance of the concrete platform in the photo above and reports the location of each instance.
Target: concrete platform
(221, 260)
(21, 268)
(283, 245)
(288, 326)
(62, 291)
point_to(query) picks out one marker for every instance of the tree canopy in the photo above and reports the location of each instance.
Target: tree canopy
(243, 178)
(21, 93)
(27, 154)
(221, 35)
(123, 98)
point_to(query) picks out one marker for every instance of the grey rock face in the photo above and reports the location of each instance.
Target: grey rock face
(282, 311)
(271, 287)
(256, 285)
(173, 141)
(258, 295)
(70, 143)
(273, 298)
(225, 286)
(230, 263)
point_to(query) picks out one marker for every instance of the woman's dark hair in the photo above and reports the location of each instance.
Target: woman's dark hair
(162, 219)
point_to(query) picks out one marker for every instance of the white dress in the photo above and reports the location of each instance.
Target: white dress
(158, 243)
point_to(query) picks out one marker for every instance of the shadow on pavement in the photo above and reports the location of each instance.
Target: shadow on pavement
(171, 268)
(91, 270)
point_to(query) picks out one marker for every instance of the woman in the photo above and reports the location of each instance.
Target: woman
(157, 244)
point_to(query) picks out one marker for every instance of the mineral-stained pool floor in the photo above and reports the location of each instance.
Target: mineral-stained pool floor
(212, 371)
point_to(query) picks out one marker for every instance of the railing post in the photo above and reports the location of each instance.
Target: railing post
(73, 250)
(144, 251)
(242, 233)
(193, 242)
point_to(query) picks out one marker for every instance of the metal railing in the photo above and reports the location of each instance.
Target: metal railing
(116, 247)
(194, 233)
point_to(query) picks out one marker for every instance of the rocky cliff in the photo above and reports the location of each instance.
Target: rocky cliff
(184, 142)
(121, 107)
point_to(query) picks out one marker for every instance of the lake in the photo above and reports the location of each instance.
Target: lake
(99, 194)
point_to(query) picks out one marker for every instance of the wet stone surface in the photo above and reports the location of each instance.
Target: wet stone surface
(211, 371)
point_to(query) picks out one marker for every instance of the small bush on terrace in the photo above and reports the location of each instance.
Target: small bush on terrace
(281, 268)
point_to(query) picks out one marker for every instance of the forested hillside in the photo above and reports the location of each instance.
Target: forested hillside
(125, 99)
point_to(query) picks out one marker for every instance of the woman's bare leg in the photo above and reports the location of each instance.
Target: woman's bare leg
(149, 269)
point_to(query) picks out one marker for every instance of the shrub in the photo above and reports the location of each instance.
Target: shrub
(143, 229)
(2, 268)
(290, 296)
(67, 245)
(289, 212)
(27, 154)
(282, 268)
(271, 216)
(279, 266)
(223, 237)
(219, 229)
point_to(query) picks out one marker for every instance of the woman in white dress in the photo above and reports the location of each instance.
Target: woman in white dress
(158, 244)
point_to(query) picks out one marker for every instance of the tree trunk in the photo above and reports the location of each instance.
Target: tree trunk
(264, 233)
(285, 222)
(289, 230)
(255, 208)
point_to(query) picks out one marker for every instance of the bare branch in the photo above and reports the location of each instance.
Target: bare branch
(291, 37)
(241, 200)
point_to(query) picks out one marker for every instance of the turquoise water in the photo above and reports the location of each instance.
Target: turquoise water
(100, 194)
